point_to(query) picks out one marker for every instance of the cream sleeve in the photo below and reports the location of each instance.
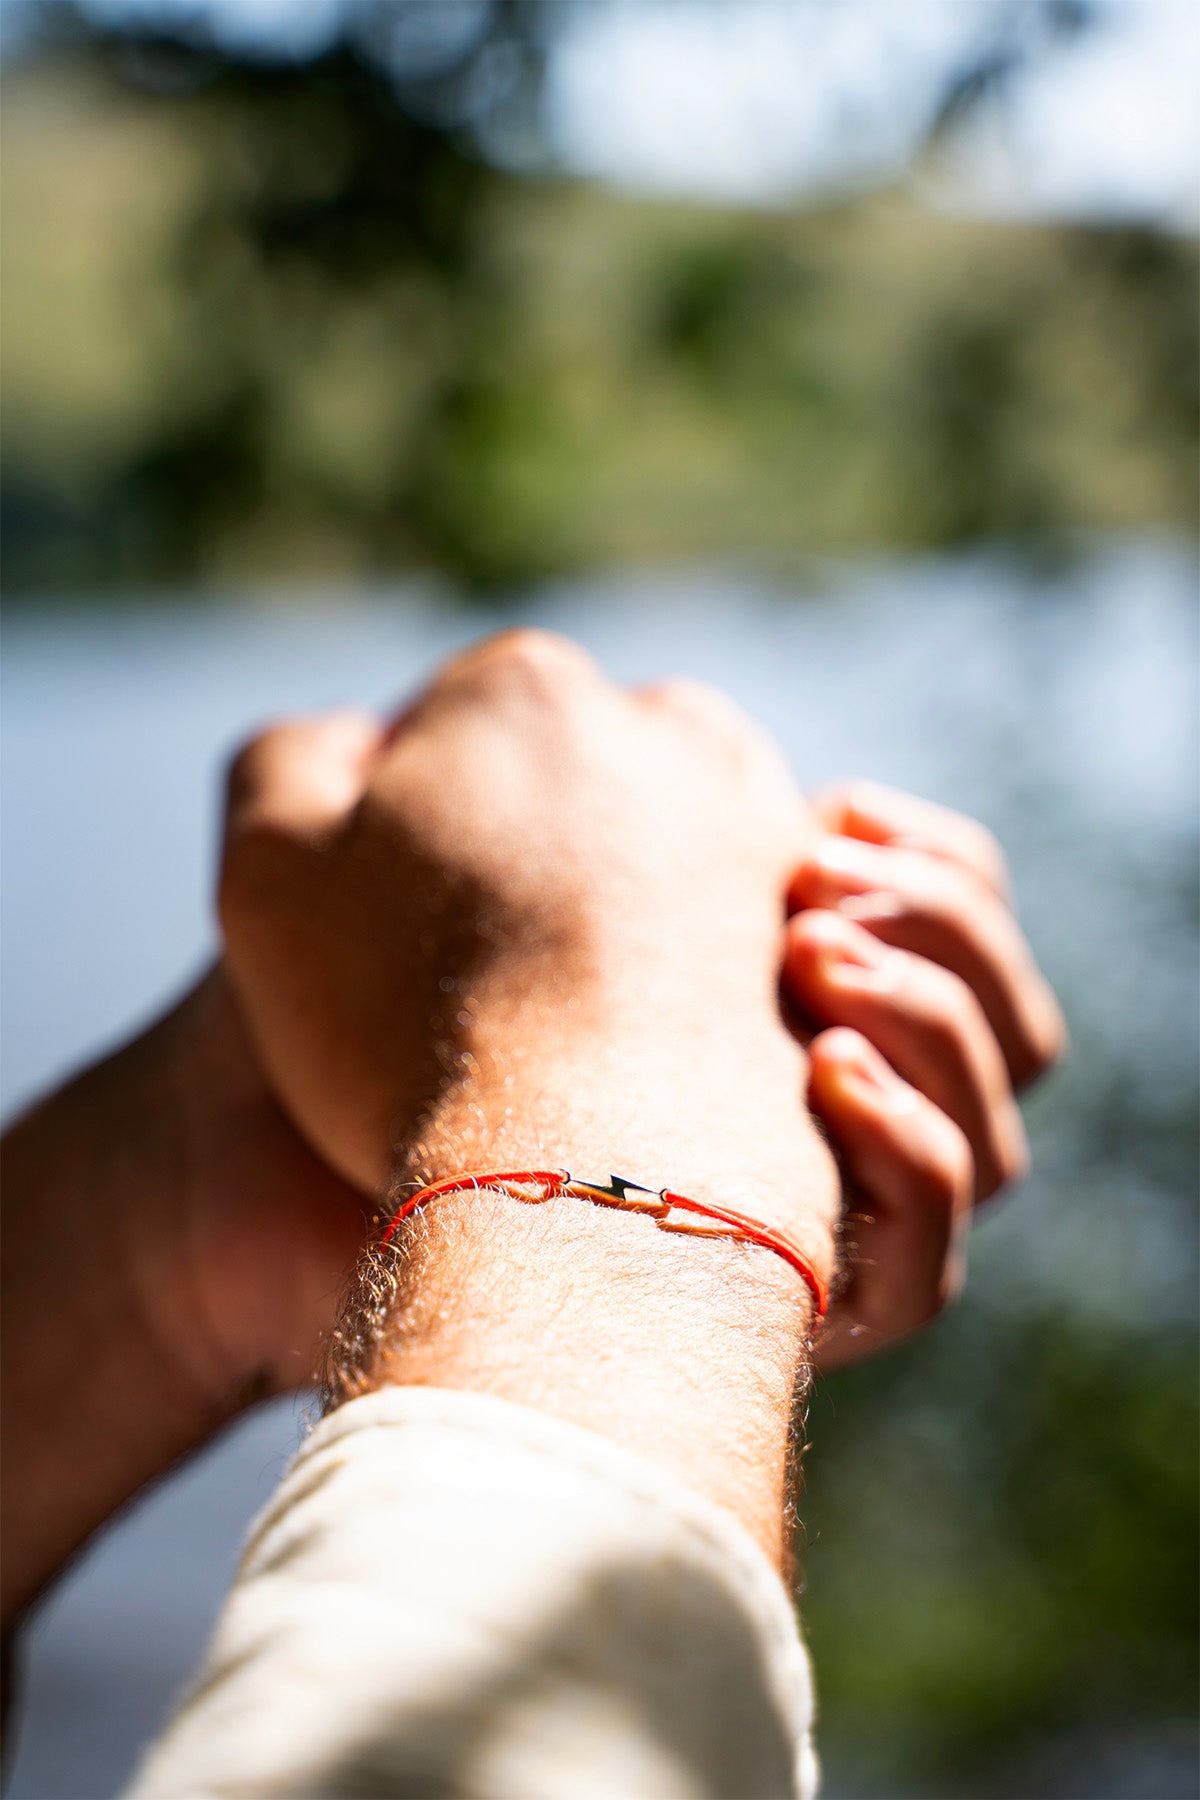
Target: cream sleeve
(453, 1596)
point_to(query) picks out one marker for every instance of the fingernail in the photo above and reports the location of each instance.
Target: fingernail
(865, 1066)
(845, 1047)
(880, 979)
(859, 1058)
(860, 952)
(846, 952)
(872, 1068)
(843, 859)
(835, 938)
(889, 1089)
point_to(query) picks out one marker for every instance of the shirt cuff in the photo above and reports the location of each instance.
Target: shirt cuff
(451, 1595)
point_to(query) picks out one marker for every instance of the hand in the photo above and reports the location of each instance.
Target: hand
(542, 904)
(539, 926)
(172, 1249)
(263, 1231)
(903, 942)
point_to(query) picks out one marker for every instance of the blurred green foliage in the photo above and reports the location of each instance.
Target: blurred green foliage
(262, 320)
(1022, 1499)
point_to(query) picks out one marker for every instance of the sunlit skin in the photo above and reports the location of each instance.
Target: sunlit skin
(599, 878)
(903, 945)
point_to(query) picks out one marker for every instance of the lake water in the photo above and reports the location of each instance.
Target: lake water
(1060, 706)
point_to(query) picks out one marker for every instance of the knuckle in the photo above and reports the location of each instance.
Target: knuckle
(838, 1044)
(814, 935)
(1003, 1158)
(542, 656)
(945, 1166)
(1040, 1041)
(988, 855)
(710, 713)
(1048, 1035)
(833, 803)
(958, 1166)
(959, 893)
(681, 693)
(947, 1005)
(943, 895)
(1012, 1151)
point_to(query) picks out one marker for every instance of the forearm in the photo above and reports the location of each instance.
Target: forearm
(451, 1594)
(105, 1359)
(687, 1349)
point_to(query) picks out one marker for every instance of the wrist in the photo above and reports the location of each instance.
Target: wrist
(721, 1121)
(688, 1349)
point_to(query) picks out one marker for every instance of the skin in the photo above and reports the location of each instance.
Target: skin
(143, 1203)
(581, 1026)
(659, 834)
(149, 1196)
(902, 942)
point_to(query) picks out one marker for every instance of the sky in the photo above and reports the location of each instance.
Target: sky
(759, 100)
(765, 102)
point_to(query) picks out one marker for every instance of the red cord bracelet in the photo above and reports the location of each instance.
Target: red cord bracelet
(660, 1204)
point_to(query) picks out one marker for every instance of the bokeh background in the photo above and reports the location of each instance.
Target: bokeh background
(842, 353)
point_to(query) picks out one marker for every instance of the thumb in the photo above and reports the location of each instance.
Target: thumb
(304, 775)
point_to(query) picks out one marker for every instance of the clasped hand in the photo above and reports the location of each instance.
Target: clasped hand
(567, 901)
(536, 917)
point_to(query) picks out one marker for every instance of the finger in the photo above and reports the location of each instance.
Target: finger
(924, 1020)
(305, 775)
(944, 911)
(883, 815)
(910, 1175)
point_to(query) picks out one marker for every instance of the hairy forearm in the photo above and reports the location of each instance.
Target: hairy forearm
(690, 1350)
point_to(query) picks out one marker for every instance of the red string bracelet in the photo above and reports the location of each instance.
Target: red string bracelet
(661, 1204)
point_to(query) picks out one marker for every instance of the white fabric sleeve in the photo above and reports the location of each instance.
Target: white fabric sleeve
(452, 1596)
